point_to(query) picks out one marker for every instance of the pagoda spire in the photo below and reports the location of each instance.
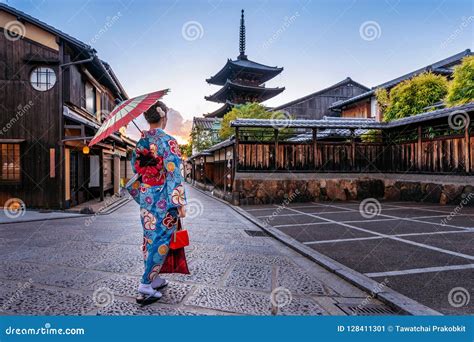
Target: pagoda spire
(242, 38)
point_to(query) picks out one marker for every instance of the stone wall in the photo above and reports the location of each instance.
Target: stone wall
(274, 188)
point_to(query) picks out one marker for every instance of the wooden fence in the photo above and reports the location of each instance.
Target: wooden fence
(441, 155)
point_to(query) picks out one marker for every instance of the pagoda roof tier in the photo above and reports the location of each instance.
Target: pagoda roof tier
(261, 93)
(221, 111)
(232, 69)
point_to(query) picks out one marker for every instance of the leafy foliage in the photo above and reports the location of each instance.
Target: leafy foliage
(246, 111)
(186, 149)
(412, 96)
(372, 135)
(383, 100)
(461, 88)
(201, 139)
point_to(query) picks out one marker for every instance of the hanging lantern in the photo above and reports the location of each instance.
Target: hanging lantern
(85, 150)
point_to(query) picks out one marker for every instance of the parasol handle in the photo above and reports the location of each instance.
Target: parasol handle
(137, 126)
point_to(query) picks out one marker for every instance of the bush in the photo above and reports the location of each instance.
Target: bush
(246, 111)
(383, 100)
(372, 135)
(461, 88)
(412, 96)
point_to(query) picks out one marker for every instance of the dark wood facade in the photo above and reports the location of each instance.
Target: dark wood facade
(49, 128)
(316, 105)
(37, 126)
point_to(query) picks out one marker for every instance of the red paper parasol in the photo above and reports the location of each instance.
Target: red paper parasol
(125, 112)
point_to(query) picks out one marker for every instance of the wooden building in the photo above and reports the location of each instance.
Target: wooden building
(413, 158)
(242, 80)
(365, 105)
(55, 93)
(317, 105)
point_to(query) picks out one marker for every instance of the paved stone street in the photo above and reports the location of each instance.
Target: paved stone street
(92, 265)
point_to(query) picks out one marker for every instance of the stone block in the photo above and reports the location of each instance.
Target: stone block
(452, 192)
(391, 193)
(335, 190)
(370, 188)
(431, 192)
(410, 191)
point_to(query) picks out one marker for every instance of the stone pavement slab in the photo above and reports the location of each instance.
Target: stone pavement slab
(75, 266)
(34, 215)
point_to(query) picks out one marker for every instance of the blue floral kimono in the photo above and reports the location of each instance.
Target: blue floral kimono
(159, 196)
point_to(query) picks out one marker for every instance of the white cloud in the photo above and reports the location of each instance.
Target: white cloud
(177, 126)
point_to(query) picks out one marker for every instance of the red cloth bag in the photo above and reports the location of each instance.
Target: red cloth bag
(175, 261)
(180, 238)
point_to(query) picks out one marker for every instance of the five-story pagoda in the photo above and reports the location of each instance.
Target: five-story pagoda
(242, 80)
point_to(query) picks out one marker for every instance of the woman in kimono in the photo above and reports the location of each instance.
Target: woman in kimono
(160, 193)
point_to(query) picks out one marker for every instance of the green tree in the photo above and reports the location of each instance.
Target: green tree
(186, 149)
(383, 100)
(412, 96)
(461, 88)
(200, 139)
(246, 111)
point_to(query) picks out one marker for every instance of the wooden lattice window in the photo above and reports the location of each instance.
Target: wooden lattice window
(42, 78)
(10, 162)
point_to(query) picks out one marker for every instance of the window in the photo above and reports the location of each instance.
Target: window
(90, 98)
(10, 161)
(42, 78)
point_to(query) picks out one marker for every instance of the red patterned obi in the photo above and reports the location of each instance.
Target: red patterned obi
(150, 167)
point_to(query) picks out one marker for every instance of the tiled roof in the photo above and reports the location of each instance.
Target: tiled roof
(228, 142)
(43, 25)
(222, 144)
(339, 123)
(241, 65)
(319, 92)
(436, 114)
(441, 67)
(110, 78)
(265, 93)
(205, 123)
(324, 123)
(356, 98)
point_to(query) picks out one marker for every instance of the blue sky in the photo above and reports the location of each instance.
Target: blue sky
(318, 42)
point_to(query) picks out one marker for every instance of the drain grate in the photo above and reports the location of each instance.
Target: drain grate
(366, 310)
(255, 233)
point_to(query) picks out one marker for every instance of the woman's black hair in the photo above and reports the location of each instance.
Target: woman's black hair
(152, 115)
